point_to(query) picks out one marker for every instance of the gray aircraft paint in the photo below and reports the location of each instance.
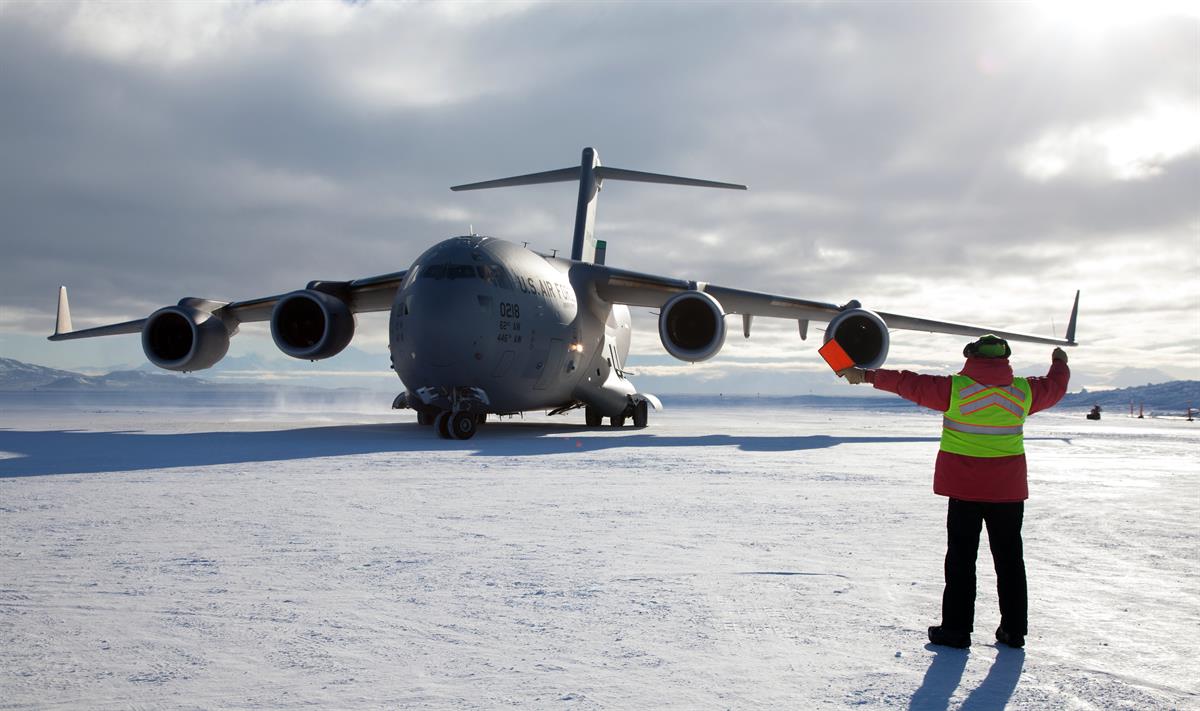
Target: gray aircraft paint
(479, 312)
(480, 325)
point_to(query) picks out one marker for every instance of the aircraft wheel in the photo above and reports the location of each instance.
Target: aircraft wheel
(462, 425)
(425, 417)
(617, 420)
(481, 418)
(641, 414)
(592, 417)
(442, 424)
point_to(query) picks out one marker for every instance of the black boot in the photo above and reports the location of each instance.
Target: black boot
(1016, 641)
(949, 638)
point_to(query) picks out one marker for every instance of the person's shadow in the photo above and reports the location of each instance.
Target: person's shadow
(945, 674)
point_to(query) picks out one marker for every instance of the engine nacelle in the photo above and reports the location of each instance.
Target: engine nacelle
(184, 338)
(311, 325)
(862, 334)
(692, 326)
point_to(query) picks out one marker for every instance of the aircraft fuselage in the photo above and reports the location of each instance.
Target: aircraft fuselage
(483, 313)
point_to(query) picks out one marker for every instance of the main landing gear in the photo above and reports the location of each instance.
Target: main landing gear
(641, 413)
(638, 411)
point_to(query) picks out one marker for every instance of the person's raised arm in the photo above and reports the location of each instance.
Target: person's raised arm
(1049, 389)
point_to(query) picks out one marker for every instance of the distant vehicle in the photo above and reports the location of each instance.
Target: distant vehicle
(1095, 413)
(484, 326)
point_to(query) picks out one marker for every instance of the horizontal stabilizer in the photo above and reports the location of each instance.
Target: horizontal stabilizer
(562, 175)
(601, 172)
(591, 175)
(605, 173)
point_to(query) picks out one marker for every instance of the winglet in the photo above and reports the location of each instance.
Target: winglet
(63, 324)
(1071, 324)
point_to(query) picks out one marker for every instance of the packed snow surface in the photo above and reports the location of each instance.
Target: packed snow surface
(753, 556)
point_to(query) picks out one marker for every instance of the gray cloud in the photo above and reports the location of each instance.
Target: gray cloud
(883, 145)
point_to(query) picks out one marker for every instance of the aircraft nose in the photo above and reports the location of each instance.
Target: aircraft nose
(444, 327)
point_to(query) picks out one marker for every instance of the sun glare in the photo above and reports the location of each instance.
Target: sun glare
(1093, 18)
(1134, 148)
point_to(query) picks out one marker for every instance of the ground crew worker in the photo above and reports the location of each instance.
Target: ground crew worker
(981, 468)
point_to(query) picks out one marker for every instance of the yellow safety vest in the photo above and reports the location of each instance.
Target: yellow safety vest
(986, 420)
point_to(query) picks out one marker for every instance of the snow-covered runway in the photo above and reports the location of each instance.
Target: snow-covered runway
(725, 557)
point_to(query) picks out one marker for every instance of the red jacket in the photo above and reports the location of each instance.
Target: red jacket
(996, 479)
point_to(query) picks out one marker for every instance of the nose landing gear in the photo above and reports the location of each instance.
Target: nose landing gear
(455, 413)
(457, 425)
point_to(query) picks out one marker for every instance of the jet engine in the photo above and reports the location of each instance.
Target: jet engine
(311, 325)
(692, 326)
(862, 334)
(184, 338)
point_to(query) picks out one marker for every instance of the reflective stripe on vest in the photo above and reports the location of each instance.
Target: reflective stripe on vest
(981, 429)
(986, 420)
(1016, 408)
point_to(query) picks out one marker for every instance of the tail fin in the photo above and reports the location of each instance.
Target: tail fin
(591, 176)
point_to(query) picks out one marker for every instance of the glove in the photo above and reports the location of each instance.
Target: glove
(854, 376)
(1059, 354)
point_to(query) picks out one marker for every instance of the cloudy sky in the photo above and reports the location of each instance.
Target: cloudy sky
(966, 161)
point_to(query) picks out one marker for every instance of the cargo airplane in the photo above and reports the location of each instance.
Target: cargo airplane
(483, 326)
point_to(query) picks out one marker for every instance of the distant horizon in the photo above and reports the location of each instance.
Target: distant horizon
(314, 381)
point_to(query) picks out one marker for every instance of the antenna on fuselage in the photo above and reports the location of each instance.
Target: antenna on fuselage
(591, 176)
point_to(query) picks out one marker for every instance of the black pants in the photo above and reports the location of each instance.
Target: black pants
(963, 522)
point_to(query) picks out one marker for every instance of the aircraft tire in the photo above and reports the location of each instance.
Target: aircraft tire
(442, 424)
(617, 420)
(425, 417)
(641, 414)
(462, 425)
(592, 417)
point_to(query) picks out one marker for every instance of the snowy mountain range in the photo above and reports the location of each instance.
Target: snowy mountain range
(18, 376)
(1175, 396)
(353, 368)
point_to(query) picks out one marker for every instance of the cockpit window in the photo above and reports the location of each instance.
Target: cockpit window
(493, 274)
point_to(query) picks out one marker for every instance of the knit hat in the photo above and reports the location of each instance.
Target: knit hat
(988, 346)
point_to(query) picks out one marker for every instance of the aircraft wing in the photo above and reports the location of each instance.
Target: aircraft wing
(639, 289)
(368, 294)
